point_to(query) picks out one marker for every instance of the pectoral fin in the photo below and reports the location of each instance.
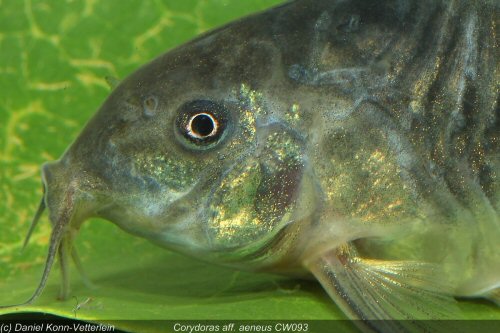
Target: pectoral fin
(494, 296)
(389, 296)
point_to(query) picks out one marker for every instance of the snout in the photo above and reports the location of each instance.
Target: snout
(67, 189)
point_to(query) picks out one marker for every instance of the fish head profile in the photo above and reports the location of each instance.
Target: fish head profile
(188, 153)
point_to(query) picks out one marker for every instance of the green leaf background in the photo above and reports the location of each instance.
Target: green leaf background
(54, 58)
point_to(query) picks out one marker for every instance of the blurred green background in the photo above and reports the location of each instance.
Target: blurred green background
(54, 58)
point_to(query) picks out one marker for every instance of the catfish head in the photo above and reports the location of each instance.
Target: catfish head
(189, 153)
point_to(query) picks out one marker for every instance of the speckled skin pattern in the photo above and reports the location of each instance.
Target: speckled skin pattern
(368, 123)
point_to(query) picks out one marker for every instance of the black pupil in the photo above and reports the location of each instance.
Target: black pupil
(202, 125)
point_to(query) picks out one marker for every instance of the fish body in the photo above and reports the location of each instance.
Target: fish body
(355, 142)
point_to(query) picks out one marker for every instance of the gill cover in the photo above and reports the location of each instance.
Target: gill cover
(257, 196)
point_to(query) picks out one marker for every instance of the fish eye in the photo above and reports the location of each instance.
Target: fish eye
(201, 123)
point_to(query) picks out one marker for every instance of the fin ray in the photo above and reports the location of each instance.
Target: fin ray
(386, 295)
(494, 296)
